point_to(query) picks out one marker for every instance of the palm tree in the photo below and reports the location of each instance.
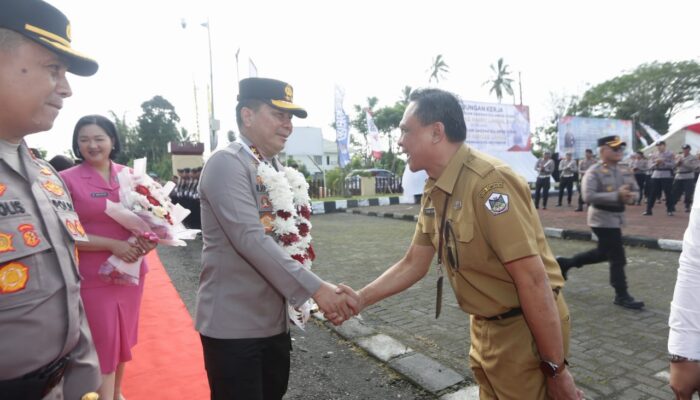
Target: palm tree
(501, 81)
(405, 94)
(438, 69)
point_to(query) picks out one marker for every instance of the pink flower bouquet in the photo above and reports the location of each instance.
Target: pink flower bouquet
(145, 209)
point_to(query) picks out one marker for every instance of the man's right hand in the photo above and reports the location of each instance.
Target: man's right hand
(626, 195)
(563, 387)
(336, 307)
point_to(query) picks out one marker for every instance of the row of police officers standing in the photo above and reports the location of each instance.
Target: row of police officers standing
(185, 194)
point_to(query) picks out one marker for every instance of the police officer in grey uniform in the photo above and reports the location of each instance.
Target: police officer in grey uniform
(607, 187)
(640, 167)
(544, 168)
(46, 350)
(247, 278)
(661, 164)
(583, 166)
(567, 166)
(684, 181)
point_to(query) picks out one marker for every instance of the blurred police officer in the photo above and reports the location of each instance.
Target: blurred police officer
(567, 166)
(661, 164)
(583, 166)
(684, 180)
(607, 187)
(46, 349)
(640, 167)
(479, 217)
(544, 167)
(247, 279)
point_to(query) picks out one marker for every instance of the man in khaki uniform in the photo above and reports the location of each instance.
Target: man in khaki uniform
(479, 217)
(46, 346)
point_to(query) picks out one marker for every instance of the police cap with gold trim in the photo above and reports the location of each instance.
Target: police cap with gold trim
(271, 91)
(46, 25)
(611, 141)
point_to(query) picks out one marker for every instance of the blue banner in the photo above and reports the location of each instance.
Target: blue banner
(342, 128)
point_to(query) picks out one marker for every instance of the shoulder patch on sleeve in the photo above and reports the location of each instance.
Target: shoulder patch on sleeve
(497, 203)
(490, 187)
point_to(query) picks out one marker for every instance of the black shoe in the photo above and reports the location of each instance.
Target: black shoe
(564, 265)
(647, 213)
(544, 207)
(670, 213)
(579, 209)
(558, 205)
(628, 301)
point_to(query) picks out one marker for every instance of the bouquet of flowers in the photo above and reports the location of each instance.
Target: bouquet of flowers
(145, 209)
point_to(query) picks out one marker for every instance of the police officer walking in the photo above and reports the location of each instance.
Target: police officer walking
(684, 181)
(45, 343)
(607, 187)
(661, 164)
(583, 166)
(544, 168)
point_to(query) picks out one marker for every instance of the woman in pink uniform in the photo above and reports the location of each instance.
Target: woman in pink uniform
(112, 310)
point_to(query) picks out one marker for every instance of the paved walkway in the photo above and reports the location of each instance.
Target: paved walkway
(615, 353)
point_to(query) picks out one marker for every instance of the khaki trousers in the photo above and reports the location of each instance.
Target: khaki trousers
(504, 358)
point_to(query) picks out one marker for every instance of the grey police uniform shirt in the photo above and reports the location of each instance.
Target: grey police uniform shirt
(246, 278)
(686, 166)
(544, 168)
(567, 168)
(665, 168)
(600, 187)
(41, 313)
(583, 166)
(640, 166)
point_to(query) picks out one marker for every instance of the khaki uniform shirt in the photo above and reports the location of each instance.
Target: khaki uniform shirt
(247, 278)
(665, 168)
(41, 313)
(567, 168)
(686, 167)
(493, 222)
(600, 188)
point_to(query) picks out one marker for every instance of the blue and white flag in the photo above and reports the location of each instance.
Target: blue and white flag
(342, 128)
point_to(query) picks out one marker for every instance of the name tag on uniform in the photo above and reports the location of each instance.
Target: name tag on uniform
(429, 212)
(99, 194)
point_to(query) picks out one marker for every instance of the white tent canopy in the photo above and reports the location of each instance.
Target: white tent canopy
(675, 140)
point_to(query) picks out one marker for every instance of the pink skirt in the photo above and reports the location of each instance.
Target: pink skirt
(113, 315)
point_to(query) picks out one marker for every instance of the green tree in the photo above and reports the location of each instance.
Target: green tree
(654, 92)
(360, 123)
(405, 94)
(501, 81)
(157, 126)
(545, 136)
(128, 137)
(438, 69)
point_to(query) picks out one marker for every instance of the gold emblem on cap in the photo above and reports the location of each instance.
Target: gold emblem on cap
(68, 36)
(288, 92)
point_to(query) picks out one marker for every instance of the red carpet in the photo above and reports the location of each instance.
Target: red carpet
(167, 361)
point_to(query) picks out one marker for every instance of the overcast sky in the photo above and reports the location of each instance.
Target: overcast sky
(370, 48)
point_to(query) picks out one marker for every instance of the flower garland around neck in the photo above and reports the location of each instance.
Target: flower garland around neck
(288, 192)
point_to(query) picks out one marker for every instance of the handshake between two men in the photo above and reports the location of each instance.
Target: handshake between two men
(338, 303)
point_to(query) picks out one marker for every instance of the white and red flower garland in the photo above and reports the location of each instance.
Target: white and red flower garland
(289, 195)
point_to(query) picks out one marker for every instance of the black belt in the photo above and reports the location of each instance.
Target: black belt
(513, 312)
(610, 208)
(35, 385)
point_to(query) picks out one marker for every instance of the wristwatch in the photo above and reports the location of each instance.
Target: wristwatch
(550, 369)
(674, 358)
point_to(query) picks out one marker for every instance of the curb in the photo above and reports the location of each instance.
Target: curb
(349, 206)
(421, 370)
